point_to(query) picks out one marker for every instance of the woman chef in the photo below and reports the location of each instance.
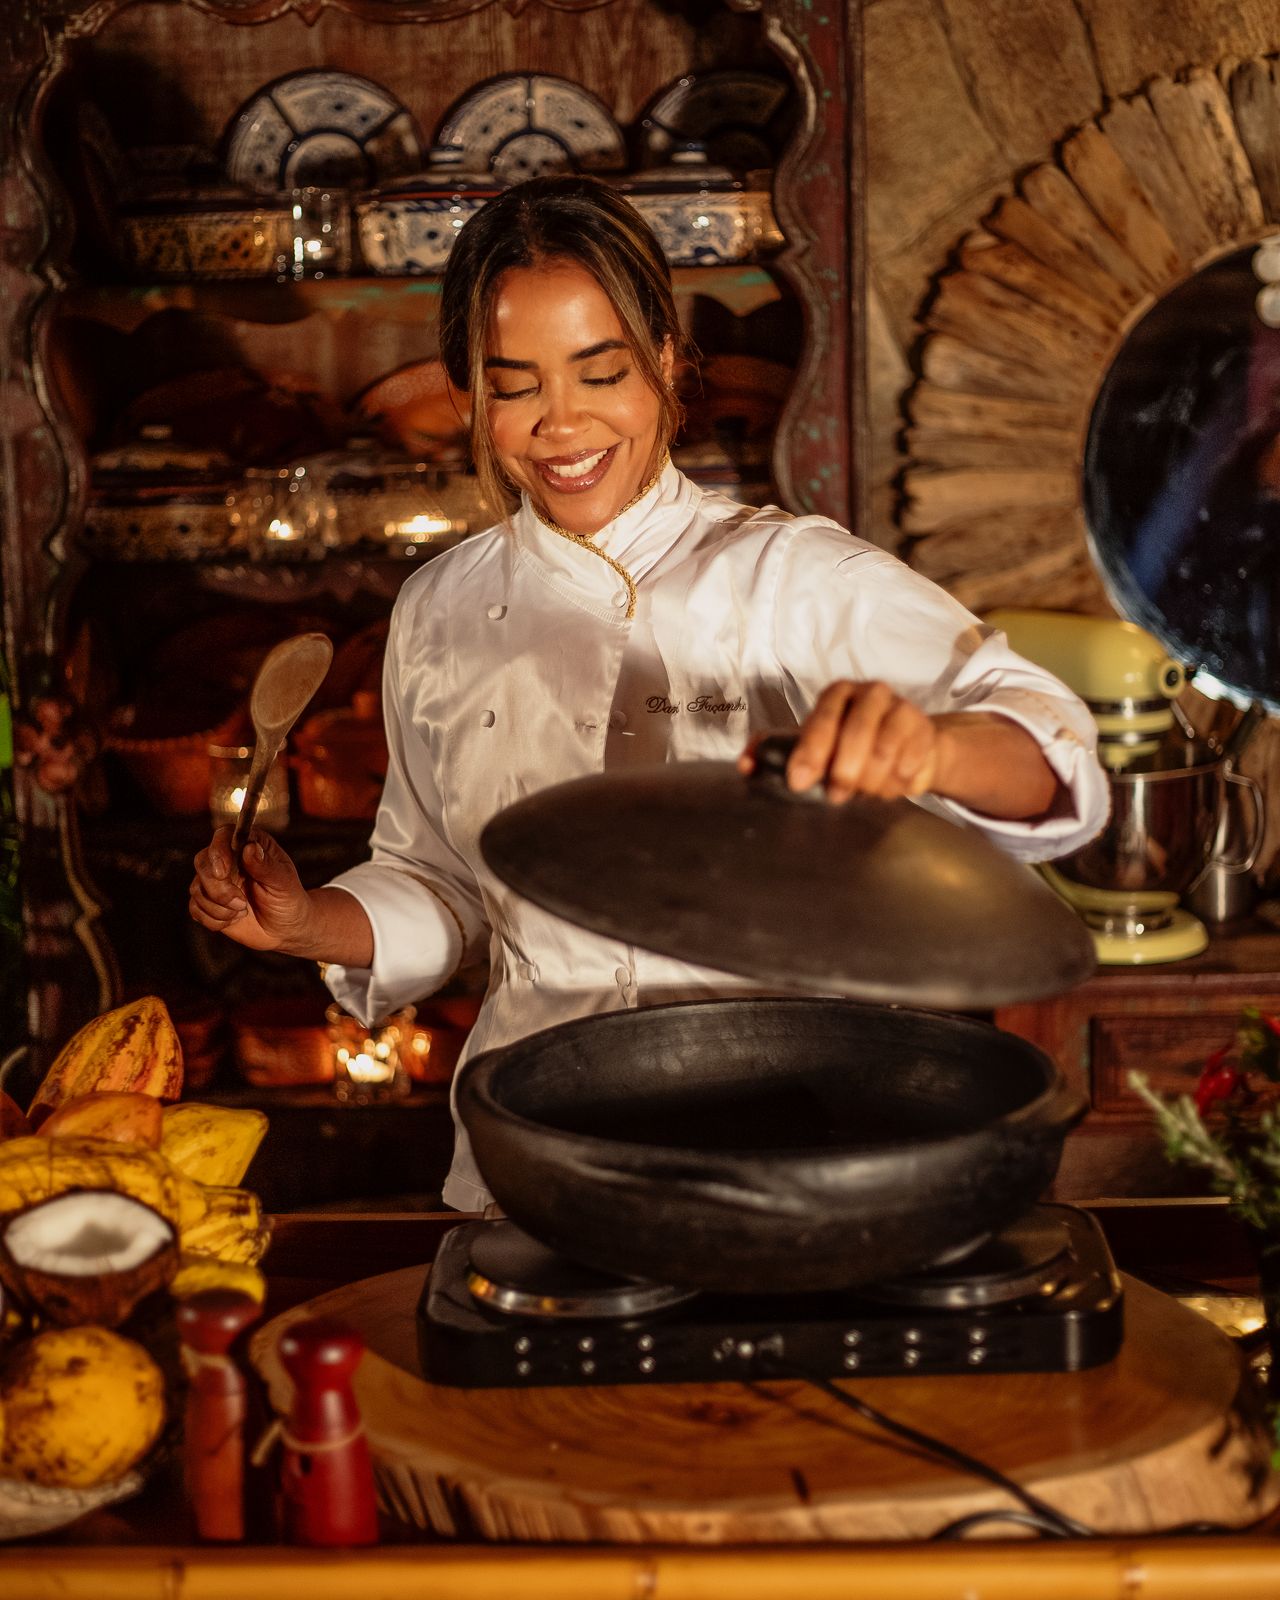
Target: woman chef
(620, 614)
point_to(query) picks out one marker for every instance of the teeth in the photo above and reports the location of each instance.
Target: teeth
(579, 469)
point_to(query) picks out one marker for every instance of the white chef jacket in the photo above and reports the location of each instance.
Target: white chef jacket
(525, 657)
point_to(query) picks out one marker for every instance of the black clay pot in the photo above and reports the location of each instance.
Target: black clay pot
(775, 1145)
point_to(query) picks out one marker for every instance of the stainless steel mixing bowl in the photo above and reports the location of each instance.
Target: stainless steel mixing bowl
(1160, 837)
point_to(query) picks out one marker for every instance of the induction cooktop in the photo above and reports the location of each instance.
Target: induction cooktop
(502, 1310)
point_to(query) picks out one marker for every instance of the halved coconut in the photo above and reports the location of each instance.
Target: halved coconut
(89, 1256)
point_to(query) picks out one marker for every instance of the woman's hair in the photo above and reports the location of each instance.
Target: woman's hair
(556, 219)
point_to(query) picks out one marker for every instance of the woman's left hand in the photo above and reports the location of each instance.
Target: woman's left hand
(863, 738)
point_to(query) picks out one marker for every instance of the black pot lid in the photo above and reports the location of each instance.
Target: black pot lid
(1182, 477)
(874, 899)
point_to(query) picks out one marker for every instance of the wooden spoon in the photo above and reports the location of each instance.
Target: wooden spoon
(286, 680)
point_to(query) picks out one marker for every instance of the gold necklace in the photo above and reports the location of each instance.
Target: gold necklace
(589, 544)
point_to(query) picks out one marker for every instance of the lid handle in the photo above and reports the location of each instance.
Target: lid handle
(772, 754)
(770, 771)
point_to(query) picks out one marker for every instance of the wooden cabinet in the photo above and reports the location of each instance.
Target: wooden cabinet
(1162, 1021)
(104, 879)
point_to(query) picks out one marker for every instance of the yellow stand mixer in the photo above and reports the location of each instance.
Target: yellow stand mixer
(1166, 787)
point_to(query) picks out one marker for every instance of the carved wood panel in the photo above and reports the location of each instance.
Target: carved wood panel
(818, 455)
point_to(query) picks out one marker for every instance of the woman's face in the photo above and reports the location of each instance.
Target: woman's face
(572, 418)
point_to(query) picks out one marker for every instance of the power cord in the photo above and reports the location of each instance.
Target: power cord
(1037, 1514)
(963, 1526)
(1050, 1521)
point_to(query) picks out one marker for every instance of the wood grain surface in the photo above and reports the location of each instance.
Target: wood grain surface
(1162, 1435)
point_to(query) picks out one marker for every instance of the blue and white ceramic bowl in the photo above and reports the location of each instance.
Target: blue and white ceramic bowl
(701, 214)
(410, 227)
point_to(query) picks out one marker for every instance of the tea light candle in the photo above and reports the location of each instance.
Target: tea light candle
(282, 511)
(228, 776)
(367, 1061)
(320, 235)
(420, 528)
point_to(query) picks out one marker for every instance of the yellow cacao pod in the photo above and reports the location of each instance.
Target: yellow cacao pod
(134, 1048)
(212, 1144)
(198, 1272)
(35, 1169)
(232, 1227)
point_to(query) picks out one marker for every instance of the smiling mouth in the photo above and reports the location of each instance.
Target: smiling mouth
(576, 475)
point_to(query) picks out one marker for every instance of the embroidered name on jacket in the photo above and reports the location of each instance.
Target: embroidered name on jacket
(701, 705)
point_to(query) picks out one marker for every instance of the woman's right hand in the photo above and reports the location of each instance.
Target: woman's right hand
(262, 906)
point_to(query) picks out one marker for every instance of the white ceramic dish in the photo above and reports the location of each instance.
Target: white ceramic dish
(320, 128)
(27, 1509)
(520, 126)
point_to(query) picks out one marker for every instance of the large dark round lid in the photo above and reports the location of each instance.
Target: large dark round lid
(874, 899)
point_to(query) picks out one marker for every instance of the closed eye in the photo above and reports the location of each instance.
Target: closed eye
(595, 383)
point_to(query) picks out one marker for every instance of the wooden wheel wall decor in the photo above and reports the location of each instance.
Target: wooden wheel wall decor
(1022, 329)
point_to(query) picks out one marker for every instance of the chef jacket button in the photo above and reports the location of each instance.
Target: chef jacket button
(617, 719)
(496, 613)
(620, 599)
(487, 719)
(527, 971)
(623, 977)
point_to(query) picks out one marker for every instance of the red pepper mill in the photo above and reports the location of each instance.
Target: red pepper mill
(213, 1424)
(326, 1475)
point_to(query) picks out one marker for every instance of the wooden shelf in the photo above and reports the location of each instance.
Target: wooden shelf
(740, 288)
(291, 563)
(320, 1097)
(320, 1152)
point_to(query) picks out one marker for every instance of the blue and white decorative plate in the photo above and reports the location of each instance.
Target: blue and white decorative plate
(521, 126)
(740, 117)
(320, 128)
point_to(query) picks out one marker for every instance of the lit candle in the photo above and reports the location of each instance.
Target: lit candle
(367, 1063)
(228, 774)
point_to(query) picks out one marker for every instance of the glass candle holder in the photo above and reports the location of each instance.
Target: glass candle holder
(318, 235)
(228, 776)
(282, 511)
(368, 1062)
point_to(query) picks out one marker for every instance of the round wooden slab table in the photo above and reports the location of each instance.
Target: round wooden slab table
(1167, 1433)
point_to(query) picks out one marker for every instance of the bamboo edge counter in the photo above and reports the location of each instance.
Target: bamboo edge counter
(137, 1552)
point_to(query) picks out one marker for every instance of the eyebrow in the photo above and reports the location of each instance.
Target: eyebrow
(600, 349)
